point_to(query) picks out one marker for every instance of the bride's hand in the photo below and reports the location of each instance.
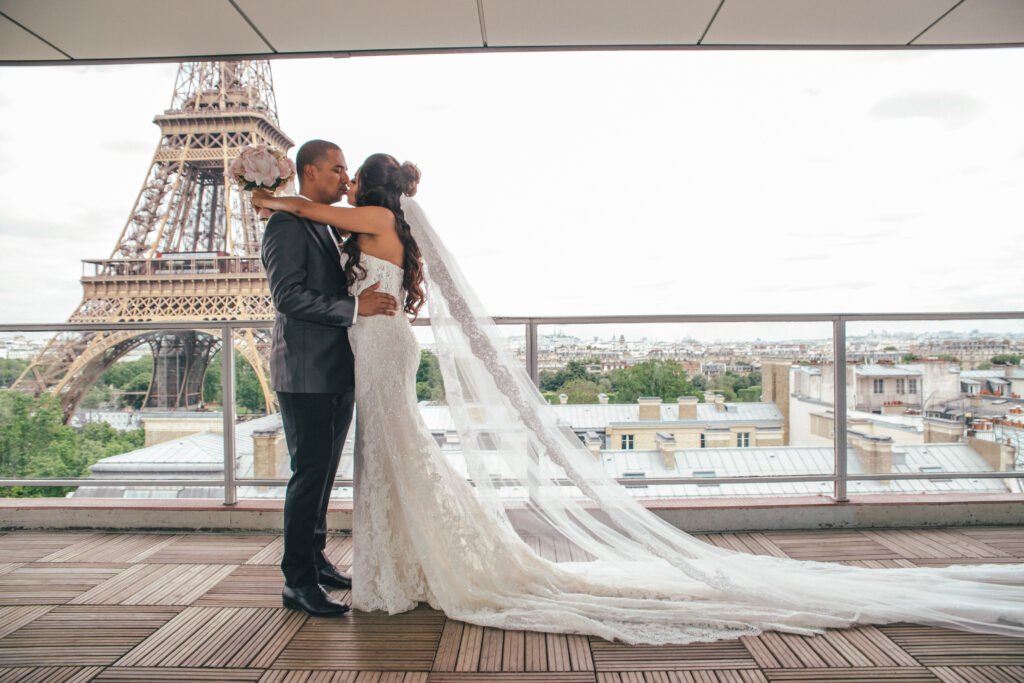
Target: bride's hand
(263, 199)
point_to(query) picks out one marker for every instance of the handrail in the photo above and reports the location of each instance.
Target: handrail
(839, 478)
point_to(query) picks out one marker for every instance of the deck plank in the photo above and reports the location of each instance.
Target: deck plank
(53, 583)
(180, 607)
(77, 635)
(362, 641)
(211, 549)
(50, 674)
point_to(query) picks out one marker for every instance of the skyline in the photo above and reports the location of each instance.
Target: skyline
(817, 181)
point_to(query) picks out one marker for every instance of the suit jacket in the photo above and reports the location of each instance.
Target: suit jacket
(310, 352)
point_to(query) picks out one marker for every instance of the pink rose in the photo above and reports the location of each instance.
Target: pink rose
(260, 167)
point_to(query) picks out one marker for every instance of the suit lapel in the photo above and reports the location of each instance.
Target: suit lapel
(323, 238)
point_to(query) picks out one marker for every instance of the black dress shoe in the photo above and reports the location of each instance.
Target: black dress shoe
(332, 578)
(313, 600)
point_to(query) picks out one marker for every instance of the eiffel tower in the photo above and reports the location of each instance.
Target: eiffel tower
(188, 251)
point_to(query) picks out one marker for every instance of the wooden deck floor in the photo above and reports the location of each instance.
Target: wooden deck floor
(192, 607)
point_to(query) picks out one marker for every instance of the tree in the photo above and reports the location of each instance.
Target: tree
(36, 444)
(581, 391)
(429, 382)
(248, 391)
(1007, 359)
(553, 381)
(664, 378)
(908, 358)
(10, 370)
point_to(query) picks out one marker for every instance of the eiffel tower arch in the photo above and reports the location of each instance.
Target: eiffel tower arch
(188, 251)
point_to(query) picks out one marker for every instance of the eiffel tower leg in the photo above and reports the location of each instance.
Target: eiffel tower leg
(72, 362)
(180, 360)
(254, 345)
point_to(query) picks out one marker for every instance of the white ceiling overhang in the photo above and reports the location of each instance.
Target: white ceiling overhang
(104, 31)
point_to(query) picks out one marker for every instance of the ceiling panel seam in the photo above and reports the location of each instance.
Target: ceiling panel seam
(929, 26)
(483, 21)
(252, 25)
(34, 34)
(707, 28)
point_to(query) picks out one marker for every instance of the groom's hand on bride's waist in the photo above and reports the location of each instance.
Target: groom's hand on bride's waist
(372, 302)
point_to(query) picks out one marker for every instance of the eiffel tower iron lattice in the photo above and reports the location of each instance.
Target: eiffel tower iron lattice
(188, 251)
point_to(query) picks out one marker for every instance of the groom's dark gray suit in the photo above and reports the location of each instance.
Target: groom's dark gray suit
(311, 369)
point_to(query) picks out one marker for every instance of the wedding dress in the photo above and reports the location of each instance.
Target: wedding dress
(469, 541)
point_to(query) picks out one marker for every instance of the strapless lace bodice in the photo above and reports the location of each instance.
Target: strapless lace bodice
(378, 270)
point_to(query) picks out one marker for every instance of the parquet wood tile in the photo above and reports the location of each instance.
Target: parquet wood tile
(533, 677)
(830, 546)
(50, 674)
(156, 584)
(23, 546)
(227, 637)
(111, 548)
(698, 676)
(881, 564)
(182, 607)
(52, 583)
(140, 674)
(725, 654)
(14, 617)
(1008, 539)
(77, 635)
(979, 674)
(942, 647)
(469, 648)
(903, 674)
(753, 543)
(283, 676)
(931, 543)
(366, 641)
(338, 551)
(210, 549)
(250, 585)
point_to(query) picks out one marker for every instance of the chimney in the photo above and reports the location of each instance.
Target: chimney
(594, 443)
(650, 407)
(709, 397)
(602, 399)
(875, 452)
(999, 456)
(667, 449)
(563, 399)
(268, 448)
(687, 407)
(720, 403)
(937, 430)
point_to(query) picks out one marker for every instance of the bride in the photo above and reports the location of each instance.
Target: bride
(530, 532)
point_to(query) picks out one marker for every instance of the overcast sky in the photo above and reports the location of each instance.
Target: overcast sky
(595, 183)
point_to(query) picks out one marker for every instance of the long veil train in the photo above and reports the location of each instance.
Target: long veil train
(625, 573)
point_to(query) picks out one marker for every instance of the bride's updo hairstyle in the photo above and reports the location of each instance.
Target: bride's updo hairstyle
(382, 182)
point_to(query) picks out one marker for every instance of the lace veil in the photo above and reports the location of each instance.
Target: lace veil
(535, 476)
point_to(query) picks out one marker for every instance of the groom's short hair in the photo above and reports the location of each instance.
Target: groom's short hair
(312, 152)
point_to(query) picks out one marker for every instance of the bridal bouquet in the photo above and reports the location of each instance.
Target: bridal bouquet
(261, 167)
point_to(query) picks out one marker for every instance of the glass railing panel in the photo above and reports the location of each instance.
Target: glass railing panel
(931, 399)
(692, 410)
(117, 409)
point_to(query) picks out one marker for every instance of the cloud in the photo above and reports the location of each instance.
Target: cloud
(130, 147)
(950, 108)
(896, 217)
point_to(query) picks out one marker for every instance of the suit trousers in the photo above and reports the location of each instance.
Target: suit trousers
(315, 426)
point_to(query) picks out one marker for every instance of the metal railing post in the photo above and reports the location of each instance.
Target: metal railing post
(531, 351)
(839, 421)
(227, 392)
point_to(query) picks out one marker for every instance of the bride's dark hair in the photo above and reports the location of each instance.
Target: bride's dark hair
(381, 182)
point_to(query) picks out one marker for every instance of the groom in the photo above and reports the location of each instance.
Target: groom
(311, 371)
